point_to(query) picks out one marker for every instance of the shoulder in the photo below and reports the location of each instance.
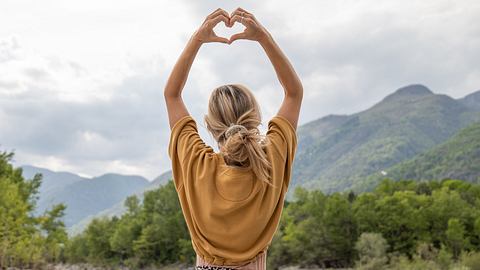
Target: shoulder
(186, 141)
(182, 122)
(282, 136)
(282, 123)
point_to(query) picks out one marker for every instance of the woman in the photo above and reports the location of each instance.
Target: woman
(232, 200)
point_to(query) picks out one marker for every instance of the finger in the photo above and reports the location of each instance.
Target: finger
(220, 12)
(241, 14)
(235, 12)
(216, 13)
(238, 18)
(240, 11)
(220, 39)
(213, 22)
(238, 36)
(250, 21)
(244, 13)
(211, 14)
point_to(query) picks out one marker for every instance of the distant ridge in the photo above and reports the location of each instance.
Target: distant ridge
(118, 208)
(82, 196)
(51, 180)
(472, 101)
(162, 179)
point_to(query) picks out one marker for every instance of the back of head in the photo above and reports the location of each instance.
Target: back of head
(233, 119)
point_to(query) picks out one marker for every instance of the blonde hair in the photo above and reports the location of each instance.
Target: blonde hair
(233, 119)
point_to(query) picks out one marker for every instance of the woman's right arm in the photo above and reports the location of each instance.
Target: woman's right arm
(290, 108)
(288, 78)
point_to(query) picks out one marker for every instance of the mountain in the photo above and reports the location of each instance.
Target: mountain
(119, 208)
(456, 158)
(472, 101)
(161, 179)
(312, 132)
(82, 196)
(335, 152)
(51, 181)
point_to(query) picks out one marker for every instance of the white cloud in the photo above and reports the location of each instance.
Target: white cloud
(81, 82)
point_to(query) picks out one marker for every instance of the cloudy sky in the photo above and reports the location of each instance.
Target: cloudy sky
(81, 82)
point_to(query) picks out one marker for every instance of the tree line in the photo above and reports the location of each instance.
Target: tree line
(398, 225)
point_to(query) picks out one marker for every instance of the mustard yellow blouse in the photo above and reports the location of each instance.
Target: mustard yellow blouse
(231, 216)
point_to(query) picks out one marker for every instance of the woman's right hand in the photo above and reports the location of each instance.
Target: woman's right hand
(205, 33)
(253, 29)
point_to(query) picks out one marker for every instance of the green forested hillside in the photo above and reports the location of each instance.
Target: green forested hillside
(458, 158)
(345, 149)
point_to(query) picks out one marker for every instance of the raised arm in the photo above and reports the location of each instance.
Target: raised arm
(176, 81)
(290, 108)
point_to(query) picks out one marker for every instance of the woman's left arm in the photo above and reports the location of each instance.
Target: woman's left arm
(173, 90)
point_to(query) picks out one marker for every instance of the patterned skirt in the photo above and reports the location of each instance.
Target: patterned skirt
(259, 263)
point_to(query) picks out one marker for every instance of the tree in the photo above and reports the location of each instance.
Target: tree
(372, 251)
(97, 236)
(455, 236)
(54, 228)
(26, 240)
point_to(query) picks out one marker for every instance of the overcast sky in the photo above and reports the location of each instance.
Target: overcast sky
(81, 82)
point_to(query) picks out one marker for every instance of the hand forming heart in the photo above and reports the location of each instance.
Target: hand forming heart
(253, 29)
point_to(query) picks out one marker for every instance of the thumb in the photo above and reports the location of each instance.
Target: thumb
(220, 39)
(237, 36)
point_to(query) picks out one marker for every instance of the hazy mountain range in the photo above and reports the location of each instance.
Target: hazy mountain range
(412, 133)
(118, 208)
(83, 196)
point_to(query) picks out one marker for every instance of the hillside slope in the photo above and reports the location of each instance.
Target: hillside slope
(456, 158)
(346, 149)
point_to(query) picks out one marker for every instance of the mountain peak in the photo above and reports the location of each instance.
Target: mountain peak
(413, 89)
(410, 91)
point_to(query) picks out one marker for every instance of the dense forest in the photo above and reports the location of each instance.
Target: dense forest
(398, 225)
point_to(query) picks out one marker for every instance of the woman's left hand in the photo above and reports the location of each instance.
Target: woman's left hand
(205, 33)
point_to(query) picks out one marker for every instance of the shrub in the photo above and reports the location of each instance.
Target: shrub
(372, 251)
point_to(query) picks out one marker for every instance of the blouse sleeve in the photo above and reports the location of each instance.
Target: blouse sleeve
(187, 151)
(283, 138)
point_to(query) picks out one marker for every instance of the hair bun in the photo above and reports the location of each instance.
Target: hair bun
(234, 128)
